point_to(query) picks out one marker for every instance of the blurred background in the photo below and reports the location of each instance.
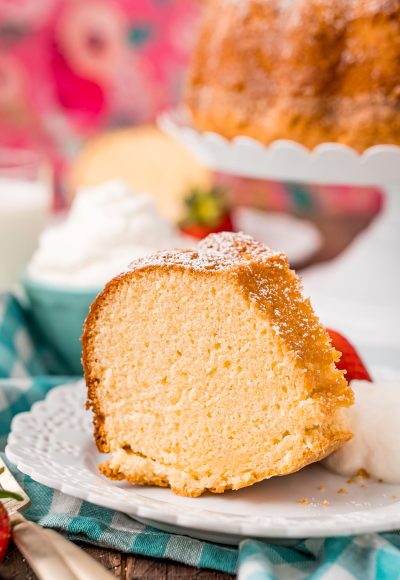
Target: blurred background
(70, 70)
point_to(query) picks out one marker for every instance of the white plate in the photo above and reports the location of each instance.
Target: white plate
(299, 239)
(53, 444)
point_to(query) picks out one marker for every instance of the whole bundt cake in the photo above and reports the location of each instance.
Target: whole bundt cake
(208, 370)
(308, 70)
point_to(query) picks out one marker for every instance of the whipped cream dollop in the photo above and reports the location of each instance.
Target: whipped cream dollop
(374, 420)
(107, 227)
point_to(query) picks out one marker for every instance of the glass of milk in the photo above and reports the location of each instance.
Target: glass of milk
(25, 204)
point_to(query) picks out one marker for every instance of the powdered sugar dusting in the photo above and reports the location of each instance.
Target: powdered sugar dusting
(222, 251)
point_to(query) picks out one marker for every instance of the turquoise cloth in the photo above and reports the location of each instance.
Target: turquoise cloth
(26, 365)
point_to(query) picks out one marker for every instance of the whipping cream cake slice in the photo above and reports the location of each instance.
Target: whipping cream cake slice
(208, 370)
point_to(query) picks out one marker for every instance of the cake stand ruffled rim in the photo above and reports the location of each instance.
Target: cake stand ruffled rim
(286, 160)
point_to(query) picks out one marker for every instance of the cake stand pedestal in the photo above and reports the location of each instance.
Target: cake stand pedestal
(357, 293)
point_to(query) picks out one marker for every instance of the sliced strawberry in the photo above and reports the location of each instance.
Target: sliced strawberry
(5, 531)
(207, 212)
(5, 524)
(201, 231)
(198, 231)
(226, 224)
(350, 360)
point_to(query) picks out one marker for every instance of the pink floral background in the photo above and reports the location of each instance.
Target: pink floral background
(69, 68)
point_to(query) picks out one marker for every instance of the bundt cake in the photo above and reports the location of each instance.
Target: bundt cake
(308, 70)
(208, 370)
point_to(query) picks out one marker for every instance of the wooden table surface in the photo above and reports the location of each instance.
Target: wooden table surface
(337, 233)
(124, 566)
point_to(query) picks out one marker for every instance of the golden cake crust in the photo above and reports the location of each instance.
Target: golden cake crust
(311, 71)
(245, 263)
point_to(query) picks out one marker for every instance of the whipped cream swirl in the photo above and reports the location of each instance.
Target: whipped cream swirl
(107, 227)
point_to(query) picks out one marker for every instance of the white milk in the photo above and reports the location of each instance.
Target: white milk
(24, 210)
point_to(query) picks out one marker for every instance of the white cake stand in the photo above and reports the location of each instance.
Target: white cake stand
(358, 293)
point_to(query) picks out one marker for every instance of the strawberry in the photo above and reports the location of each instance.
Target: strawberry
(350, 360)
(5, 531)
(207, 212)
(201, 231)
(5, 524)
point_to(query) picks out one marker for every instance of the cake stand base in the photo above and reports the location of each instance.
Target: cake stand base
(359, 291)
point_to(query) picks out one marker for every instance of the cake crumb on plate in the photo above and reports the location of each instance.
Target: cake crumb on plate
(303, 501)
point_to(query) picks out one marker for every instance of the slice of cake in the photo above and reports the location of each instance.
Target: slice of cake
(147, 160)
(208, 370)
